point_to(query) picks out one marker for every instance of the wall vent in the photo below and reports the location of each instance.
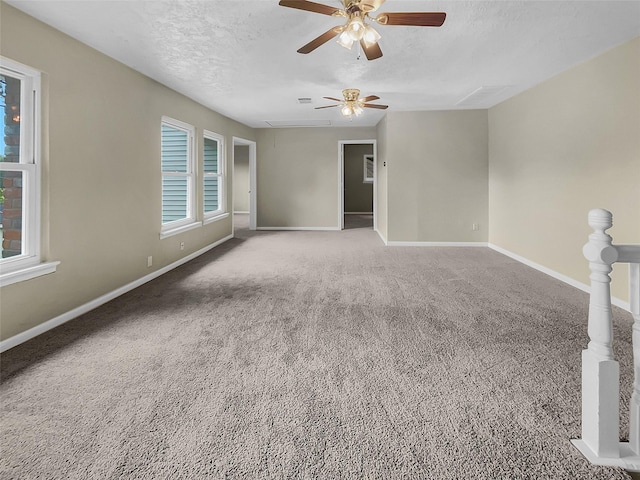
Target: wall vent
(304, 100)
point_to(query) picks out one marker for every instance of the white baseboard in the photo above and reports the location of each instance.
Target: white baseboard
(241, 211)
(315, 229)
(384, 240)
(87, 307)
(358, 213)
(436, 244)
(557, 275)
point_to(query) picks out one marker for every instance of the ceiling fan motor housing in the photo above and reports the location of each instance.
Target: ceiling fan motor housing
(370, 5)
(351, 94)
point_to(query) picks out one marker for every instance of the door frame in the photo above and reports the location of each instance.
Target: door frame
(341, 145)
(253, 203)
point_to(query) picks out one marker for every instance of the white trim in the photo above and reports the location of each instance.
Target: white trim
(29, 164)
(358, 213)
(341, 144)
(27, 273)
(365, 157)
(181, 229)
(253, 181)
(384, 240)
(221, 175)
(341, 185)
(87, 307)
(315, 229)
(178, 124)
(17, 67)
(436, 244)
(215, 218)
(242, 212)
(253, 187)
(375, 184)
(558, 276)
(175, 226)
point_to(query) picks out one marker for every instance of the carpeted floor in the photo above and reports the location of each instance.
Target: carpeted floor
(304, 355)
(358, 220)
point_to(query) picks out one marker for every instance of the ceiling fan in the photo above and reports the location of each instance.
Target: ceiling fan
(352, 105)
(356, 28)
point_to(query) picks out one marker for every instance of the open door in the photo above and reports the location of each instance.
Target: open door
(357, 176)
(246, 149)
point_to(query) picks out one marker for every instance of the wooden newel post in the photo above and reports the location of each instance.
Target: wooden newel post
(600, 372)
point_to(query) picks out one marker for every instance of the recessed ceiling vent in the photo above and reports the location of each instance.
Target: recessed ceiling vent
(483, 97)
(298, 123)
(304, 100)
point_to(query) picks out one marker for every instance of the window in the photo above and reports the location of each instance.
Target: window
(20, 173)
(213, 149)
(368, 169)
(178, 177)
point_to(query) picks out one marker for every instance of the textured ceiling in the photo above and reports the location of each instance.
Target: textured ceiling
(239, 57)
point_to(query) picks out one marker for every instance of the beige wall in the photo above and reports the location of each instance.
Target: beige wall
(533, 168)
(437, 176)
(241, 178)
(560, 149)
(358, 196)
(101, 165)
(298, 175)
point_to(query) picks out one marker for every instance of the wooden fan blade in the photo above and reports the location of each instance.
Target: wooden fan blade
(322, 39)
(328, 106)
(371, 52)
(309, 6)
(373, 105)
(334, 99)
(414, 19)
(369, 98)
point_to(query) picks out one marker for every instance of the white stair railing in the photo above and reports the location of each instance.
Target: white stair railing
(600, 372)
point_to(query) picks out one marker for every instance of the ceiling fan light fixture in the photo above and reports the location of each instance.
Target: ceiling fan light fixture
(358, 14)
(355, 27)
(345, 40)
(370, 37)
(347, 111)
(353, 104)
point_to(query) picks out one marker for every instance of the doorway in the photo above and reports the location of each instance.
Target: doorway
(357, 167)
(244, 184)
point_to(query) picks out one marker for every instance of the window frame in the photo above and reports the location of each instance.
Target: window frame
(221, 175)
(368, 158)
(28, 264)
(190, 221)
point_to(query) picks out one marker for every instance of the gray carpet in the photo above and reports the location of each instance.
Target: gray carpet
(358, 220)
(305, 355)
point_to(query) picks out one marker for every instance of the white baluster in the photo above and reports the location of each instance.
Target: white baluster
(600, 372)
(634, 416)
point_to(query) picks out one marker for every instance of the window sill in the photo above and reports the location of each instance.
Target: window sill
(181, 229)
(27, 273)
(215, 218)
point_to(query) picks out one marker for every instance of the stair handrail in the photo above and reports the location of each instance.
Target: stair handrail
(600, 371)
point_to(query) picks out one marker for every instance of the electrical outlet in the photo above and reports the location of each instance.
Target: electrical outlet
(149, 261)
(476, 226)
(181, 245)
